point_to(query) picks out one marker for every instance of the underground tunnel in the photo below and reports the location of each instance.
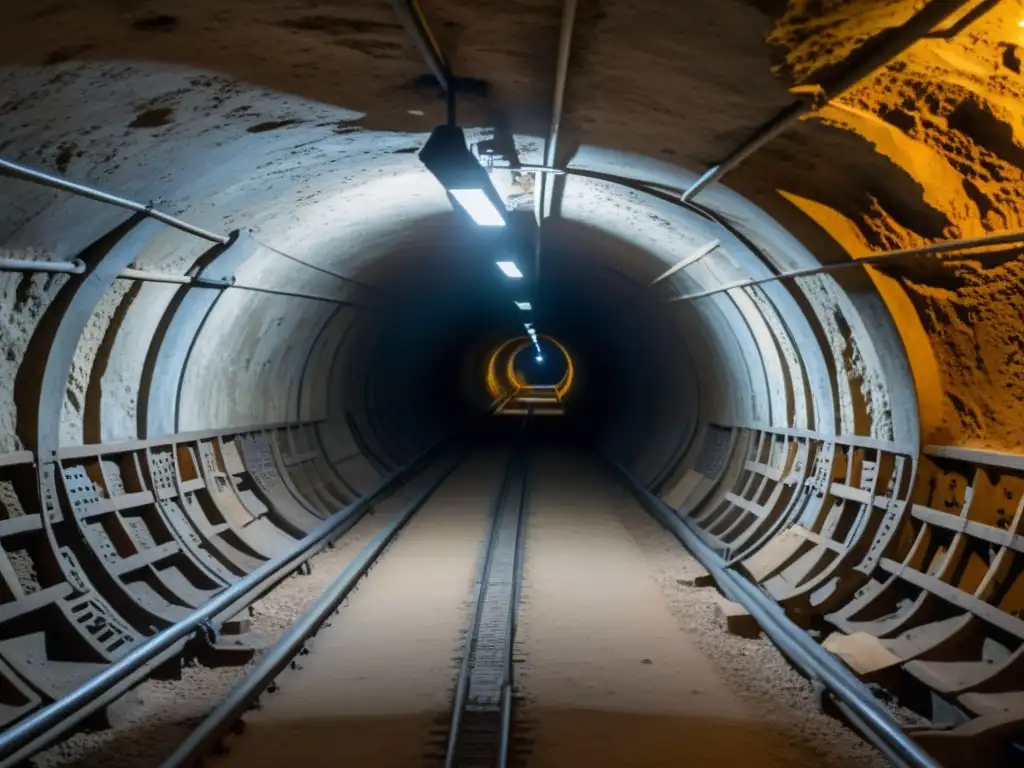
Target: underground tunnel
(672, 415)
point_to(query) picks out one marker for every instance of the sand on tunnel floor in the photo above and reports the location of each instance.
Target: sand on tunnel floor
(608, 674)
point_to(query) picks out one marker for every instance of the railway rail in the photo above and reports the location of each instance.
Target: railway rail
(481, 717)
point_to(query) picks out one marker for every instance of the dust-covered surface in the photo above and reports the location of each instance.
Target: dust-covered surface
(376, 687)
(151, 720)
(934, 147)
(623, 666)
(754, 670)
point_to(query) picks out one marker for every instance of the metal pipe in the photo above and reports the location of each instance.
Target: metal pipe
(153, 277)
(415, 24)
(557, 104)
(796, 644)
(30, 174)
(231, 708)
(1006, 238)
(73, 267)
(875, 53)
(37, 731)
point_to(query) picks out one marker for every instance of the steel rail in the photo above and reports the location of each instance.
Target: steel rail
(516, 463)
(875, 53)
(217, 724)
(462, 684)
(864, 712)
(41, 729)
(513, 623)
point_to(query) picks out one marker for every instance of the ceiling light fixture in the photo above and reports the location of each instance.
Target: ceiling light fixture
(447, 156)
(510, 269)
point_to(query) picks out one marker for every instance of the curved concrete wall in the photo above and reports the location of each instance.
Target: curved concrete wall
(796, 422)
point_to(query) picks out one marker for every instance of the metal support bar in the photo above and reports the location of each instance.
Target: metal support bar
(1007, 238)
(231, 708)
(73, 267)
(802, 650)
(76, 268)
(50, 723)
(557, 104)
(875, 53)
(29, 174)
(683, 263)
(411, 16)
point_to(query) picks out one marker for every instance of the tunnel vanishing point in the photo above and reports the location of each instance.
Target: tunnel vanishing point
(779, 242)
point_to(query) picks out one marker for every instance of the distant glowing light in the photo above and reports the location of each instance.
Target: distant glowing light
(539, 358)
(510, 269)
(479, 206)
(524, 305)
(1021, 23)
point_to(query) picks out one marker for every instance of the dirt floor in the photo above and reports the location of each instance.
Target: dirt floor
(624, 666)
(377, 684)
(618, 662)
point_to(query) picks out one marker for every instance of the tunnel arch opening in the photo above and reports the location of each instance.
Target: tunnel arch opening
(810, 422)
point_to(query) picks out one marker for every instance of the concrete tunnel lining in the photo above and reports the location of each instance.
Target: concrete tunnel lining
(855, 361)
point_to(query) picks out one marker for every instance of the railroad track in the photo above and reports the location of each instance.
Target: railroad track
(479, 735)
(477, 730)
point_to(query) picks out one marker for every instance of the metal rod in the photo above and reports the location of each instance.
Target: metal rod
(683, 263)
(73, 267)
(551, 146)
(875, 53)
(153, 277)
(42, 728)
(293, 294)
(1006, 238)
(796, 644)
(324, 270)
(231, 708)
(415, 24)
(30, 174)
